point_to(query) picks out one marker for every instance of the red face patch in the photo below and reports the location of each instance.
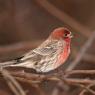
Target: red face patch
(60, 33)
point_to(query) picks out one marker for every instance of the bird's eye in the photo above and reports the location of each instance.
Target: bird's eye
(65, 35)
(66, 32)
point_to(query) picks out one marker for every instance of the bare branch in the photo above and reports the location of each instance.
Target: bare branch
(88, 87)
(12, 83)
(77, 72)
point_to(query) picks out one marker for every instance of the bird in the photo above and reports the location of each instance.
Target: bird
(51, 54)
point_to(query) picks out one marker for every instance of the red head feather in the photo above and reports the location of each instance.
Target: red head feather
(61, 33)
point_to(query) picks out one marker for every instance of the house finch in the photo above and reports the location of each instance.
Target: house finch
(49, 55)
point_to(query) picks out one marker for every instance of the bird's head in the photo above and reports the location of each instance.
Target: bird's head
(61, 33)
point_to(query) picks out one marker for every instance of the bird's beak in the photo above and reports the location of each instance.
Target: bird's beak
(70, 35)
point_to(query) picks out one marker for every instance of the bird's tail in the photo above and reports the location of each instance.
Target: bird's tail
(7, 63)
(14, 63)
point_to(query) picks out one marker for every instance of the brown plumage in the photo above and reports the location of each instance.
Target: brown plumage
(49, 55)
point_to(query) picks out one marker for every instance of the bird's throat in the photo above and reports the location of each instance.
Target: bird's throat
(64, 54)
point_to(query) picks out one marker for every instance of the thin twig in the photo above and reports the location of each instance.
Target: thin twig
(70, 81)
(88, 87)
(77, 80)
(85, 88)
(68, 73)
(12, 83)
(25, 80)
(39, 78)
(31, 82)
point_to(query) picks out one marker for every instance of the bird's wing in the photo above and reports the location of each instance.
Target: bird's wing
(45, 51)
(42, 51)
(50, 48)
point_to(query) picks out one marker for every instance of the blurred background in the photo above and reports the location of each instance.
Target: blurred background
(24, 24)
(33, 20)
(26, 20)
